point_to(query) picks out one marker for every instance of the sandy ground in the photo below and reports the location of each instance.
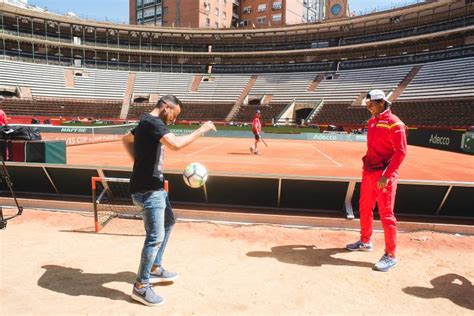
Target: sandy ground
(49, 267)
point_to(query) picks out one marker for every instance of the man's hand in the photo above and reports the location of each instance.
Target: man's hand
(208, 126)
(382, 183)
(127, 142)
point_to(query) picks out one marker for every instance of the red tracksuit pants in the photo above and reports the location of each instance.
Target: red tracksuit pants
(385, 198)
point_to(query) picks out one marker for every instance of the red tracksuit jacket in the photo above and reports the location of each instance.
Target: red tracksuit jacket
(386, 144)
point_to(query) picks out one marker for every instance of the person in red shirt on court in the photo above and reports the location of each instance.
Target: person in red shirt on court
(3, 118)
(386, 149)
(256, 130)
(4, 122)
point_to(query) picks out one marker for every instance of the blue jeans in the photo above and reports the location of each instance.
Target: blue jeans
(158, 219)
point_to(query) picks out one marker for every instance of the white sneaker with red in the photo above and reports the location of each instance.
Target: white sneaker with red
(385, 263)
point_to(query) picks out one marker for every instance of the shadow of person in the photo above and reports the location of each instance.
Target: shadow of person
(241, 154)
(308, 256)
(75, 282)
(454, 287)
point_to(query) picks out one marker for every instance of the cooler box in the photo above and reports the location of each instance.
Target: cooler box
(53, 151)
(13, 150)
(17, 150)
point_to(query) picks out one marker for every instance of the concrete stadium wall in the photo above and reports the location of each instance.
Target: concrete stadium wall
(313, 195)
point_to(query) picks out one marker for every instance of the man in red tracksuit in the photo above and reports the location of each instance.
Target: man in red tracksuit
(386, 149)
(256, 130)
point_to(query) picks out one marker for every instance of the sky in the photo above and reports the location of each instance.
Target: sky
(117, 10)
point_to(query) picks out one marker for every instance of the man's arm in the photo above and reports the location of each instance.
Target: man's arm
(127, 142)
(174, 142)
(399, 143)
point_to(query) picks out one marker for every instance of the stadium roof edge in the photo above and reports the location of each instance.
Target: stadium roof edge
(231, 31)
(384, 43)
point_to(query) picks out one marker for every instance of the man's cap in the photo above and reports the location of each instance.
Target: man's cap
(377, 95)
(257, 112)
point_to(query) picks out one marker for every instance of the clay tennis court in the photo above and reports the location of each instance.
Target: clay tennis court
(284, 157)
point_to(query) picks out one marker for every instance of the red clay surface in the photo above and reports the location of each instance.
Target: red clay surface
(284, 157)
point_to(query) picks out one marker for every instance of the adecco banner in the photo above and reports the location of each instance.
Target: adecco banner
(438, 139)
(330, 137)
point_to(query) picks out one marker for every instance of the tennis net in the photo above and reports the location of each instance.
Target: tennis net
(81, 135)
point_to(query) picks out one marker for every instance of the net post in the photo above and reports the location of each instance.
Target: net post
(94, 203)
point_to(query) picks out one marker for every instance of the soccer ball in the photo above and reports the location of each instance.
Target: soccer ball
(195, 175)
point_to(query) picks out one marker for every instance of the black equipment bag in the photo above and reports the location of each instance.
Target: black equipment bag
(19, 133)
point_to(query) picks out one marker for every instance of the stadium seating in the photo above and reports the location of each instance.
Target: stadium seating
(347, 85)
(339, 86)
(101, 84)
(454, 113)
(66, 108)
(44, 80)
(219, 88)
(269, 112)
(444, 79)
(341, 114)
(163, 83)
(215, 88)
(192, 111)
(48, 81)
(212, 97)
(284, 87)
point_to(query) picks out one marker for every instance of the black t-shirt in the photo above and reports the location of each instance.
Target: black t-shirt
(149, 155)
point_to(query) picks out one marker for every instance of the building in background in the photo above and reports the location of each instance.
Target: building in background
(182, 13)
(264, 13)
(226, 13)
(315, 10)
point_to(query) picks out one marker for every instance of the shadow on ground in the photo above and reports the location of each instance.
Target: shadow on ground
(308, 255)
(76, 282)
(453, 287)
(241, 154)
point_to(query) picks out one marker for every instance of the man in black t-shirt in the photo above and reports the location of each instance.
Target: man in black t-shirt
(145, 145)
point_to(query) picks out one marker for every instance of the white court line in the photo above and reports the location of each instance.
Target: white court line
(97, 156)
(337, 164)
(204, 149)
(92, 157)
(256, 162)
(250, 157)
(202, 159)
(81, 154)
